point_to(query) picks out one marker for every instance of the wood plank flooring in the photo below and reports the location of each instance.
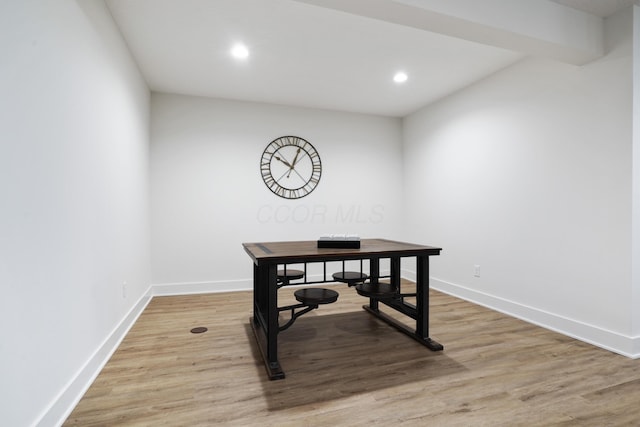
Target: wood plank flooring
(344, 367)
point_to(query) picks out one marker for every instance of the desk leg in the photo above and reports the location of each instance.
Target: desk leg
(395, 272)
(265, 318)
(374, 274)
(420, 312)
(422, 303)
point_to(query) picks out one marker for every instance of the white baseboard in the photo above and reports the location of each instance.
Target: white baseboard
(69, 397)
(188, 288)
(609, 340)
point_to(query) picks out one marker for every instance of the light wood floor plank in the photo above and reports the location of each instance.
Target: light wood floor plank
(345, 367)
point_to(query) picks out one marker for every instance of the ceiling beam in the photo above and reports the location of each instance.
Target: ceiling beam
(539, 28)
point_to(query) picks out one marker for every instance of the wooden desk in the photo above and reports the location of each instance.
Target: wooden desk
(267, 256)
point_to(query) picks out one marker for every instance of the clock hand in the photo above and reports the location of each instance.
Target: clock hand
(283, 161)
(295, 160)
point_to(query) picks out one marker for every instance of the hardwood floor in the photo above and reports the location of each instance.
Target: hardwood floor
(344, 367)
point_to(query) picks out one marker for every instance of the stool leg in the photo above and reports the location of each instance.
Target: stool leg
(295, 315)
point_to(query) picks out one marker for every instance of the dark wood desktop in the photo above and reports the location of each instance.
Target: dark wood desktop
(268, 256)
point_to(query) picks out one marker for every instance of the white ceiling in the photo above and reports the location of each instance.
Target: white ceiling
(330, 54)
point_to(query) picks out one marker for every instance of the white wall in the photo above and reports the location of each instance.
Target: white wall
(636, 179)
(207, 194)
(74, 193)
(528, 175)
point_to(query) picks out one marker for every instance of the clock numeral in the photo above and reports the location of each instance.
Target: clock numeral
(270, 182)
(277, 144)
(298, 142)
(308, 187)
(265, 170)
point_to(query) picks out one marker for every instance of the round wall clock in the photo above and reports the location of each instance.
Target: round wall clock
(290, 167)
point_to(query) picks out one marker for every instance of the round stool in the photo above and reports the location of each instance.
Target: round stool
(291, 274)
(351, 278)
(316, 296)
(377, 290)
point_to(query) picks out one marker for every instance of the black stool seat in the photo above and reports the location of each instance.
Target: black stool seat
(284, 277)
(315, 296)
(351, 278)
(377, 290)
(291, 274)
(309, 299)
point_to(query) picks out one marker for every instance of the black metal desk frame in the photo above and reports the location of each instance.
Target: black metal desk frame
(265, 290)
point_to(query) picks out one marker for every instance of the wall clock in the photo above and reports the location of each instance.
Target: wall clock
(290, 167)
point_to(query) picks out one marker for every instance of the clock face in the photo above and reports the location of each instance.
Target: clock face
(290, 167)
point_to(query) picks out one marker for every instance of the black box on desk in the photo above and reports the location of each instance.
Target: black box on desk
(339, 243)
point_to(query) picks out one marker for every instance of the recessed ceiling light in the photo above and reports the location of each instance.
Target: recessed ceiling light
(239, 51)
(400, 77)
